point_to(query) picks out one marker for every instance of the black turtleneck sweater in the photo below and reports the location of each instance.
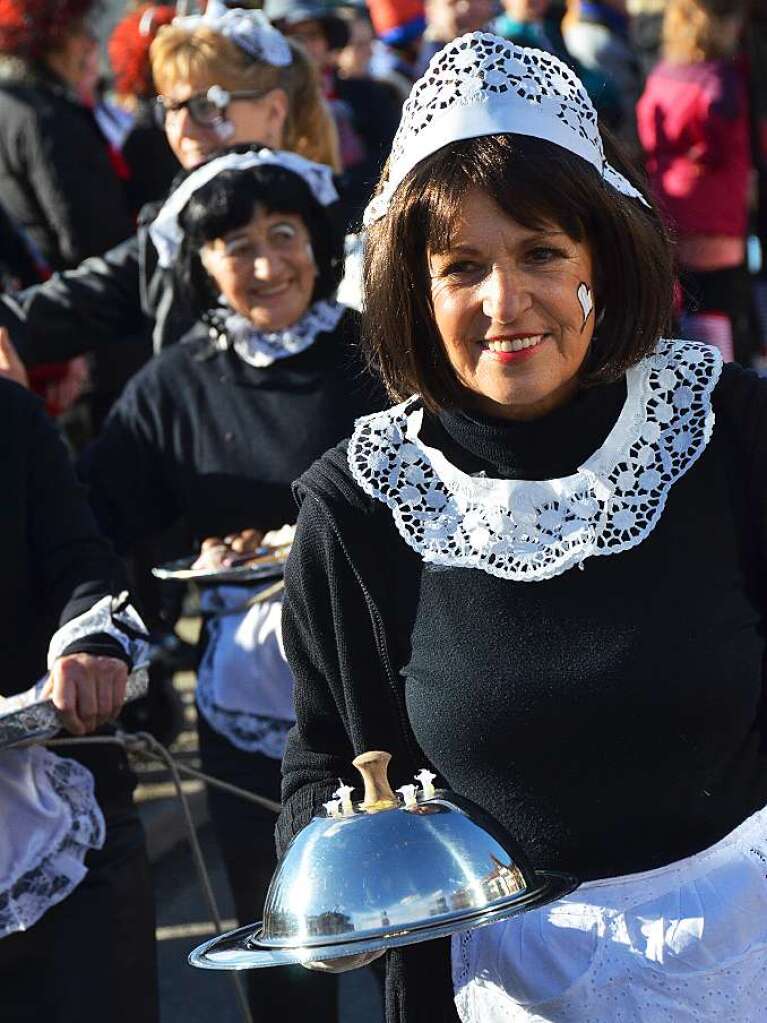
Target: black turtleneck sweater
(201, 437)
(611, 718)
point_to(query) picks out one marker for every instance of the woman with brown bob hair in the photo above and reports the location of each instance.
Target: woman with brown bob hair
(611, 719)
(535, 182)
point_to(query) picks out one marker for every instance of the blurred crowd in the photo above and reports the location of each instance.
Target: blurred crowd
(95, 134)
(83, 151)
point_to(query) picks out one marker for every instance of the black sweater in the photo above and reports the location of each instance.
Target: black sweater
(611, 718)
(122, 295)
(55, 564)
(201, 436)
(56, 177)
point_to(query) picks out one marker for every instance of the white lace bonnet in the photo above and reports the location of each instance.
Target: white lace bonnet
(250, 30)
(482, 84)
(166, 232)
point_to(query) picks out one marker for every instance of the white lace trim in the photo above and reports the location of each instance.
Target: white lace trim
(165, 230)
(258, 348)
(244, 684)
(109, 615)
(252, 733)
(61, 869)
(482, 84)
(533, 530)
(687, 940)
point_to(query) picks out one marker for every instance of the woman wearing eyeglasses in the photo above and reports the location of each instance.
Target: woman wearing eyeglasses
(223, 78)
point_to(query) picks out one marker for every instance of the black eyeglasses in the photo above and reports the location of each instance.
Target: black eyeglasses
(207, 109)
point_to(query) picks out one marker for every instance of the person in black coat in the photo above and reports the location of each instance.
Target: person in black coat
(213, 431)
(60, 579)
(57, 181)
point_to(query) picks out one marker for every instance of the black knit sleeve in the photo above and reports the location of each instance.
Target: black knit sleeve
(319, 750)
(80, 310)
(345, 703)
(73, 566)
(740, 406)
(130, 491)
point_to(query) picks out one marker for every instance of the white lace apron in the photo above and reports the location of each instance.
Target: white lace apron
(50, 819)
(686, 943)
(244, 684)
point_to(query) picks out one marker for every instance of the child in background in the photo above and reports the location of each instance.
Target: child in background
(694, 127)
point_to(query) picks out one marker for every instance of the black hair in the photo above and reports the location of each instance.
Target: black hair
(229, 201)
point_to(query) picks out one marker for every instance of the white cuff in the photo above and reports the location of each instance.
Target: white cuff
(111, 616)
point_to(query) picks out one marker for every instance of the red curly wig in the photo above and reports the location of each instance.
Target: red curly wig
(129, 48)
(30, 29)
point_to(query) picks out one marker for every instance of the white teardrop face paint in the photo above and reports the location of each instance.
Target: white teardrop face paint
(586, 300)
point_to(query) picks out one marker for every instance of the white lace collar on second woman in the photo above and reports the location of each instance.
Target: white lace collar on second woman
(261, 348)
(532, 530)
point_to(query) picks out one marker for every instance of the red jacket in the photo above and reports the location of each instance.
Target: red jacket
(693, 125)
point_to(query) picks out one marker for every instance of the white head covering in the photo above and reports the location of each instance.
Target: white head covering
(166, 232)
(250, 30)
(481, 84)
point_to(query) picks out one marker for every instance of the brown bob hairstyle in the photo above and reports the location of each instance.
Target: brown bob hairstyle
(536, 183)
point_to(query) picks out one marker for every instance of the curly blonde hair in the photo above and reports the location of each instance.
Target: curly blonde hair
(204, 57)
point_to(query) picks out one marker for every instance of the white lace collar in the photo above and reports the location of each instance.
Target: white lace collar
(532, 530)
(259, 348)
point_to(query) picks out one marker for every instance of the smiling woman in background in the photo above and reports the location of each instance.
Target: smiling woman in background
(213, 432)
(542, 616)
(225, 78)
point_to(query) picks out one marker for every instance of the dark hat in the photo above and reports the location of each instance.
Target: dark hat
(284, 13)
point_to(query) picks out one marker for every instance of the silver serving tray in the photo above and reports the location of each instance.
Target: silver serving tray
(25, 719)
(182, 571)
(241, 949)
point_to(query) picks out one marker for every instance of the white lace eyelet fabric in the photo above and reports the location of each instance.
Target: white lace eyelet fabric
(482, 84)
(121, 623)
(244, 682)
(686, 942)
(50, 821)
(165, 230)
(259, 348)
(533, 530)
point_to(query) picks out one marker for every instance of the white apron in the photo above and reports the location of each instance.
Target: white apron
(685, 943)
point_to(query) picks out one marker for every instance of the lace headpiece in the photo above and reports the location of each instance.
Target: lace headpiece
(166, 231)
(250, 30)
(481, 84)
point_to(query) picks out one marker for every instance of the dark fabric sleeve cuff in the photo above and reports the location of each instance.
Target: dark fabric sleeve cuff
(98, 645)
(298, 811)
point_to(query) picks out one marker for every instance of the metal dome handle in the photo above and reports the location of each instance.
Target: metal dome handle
(373, 766)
